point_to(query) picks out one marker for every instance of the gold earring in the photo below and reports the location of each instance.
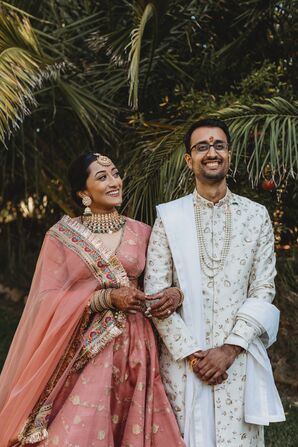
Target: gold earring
(86, 201)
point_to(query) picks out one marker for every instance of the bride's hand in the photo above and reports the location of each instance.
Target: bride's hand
(168, 301)
(128, 299)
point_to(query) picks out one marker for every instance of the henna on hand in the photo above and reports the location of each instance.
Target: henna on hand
(128, 299)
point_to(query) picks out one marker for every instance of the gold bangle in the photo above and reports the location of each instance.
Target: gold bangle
(92, 303)
(109, 299)
(98, 302)
(101, 300)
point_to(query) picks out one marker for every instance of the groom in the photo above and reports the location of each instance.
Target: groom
(218, 247)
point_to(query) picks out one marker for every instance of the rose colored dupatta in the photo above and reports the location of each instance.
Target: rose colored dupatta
(57, 333)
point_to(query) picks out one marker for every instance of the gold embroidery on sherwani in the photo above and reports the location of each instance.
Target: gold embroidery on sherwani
(249, 273)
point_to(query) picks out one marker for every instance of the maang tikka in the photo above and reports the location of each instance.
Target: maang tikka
(103, 160)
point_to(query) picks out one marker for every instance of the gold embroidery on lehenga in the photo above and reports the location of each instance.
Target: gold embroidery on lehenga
(35, 429)
(88, 340)
(104, 328)
(95, 255)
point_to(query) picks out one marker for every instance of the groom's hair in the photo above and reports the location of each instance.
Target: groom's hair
(208, 122)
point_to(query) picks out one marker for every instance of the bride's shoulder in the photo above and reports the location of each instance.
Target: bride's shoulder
(66, 222)
(138, 227)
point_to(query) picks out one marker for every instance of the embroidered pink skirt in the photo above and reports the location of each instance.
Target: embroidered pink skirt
(118, 399)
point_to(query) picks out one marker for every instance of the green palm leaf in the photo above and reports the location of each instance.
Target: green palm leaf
(143, 14)
(157, 172)
(23, 67)
(94, 114)
(262, 134)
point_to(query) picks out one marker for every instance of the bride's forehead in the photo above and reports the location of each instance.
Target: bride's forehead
(95, 167)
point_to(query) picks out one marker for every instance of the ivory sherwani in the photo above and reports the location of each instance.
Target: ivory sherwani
(234, 307)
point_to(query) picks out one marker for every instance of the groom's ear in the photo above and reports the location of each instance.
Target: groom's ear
(188, 159)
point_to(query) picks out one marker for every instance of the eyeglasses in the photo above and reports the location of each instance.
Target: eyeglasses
(219, 146)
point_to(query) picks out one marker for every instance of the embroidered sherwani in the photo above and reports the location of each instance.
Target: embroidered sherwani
(248, 272)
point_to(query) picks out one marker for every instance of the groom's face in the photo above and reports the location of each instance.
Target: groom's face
(209, 158)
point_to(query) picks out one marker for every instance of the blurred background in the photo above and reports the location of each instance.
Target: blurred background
(127, 78)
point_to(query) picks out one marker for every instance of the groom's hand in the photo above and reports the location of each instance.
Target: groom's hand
(194, 360)
(164, 303)
(214, 362)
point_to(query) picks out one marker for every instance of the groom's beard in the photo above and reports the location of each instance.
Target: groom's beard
(214, 168)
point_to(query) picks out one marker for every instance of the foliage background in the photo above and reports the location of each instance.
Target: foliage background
(127, 78)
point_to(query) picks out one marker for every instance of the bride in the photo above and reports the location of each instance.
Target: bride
(83, 367)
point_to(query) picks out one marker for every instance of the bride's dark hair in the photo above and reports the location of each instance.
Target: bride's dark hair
(78, 173)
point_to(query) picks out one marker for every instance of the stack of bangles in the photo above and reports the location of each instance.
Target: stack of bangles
(101, 300)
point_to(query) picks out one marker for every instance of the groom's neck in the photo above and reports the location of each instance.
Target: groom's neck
(212, 192)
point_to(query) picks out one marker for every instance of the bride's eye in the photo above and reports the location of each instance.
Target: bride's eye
(102, 178)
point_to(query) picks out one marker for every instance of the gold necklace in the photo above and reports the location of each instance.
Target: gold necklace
(103, 223)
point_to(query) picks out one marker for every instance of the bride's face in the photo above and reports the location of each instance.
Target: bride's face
(104, 187)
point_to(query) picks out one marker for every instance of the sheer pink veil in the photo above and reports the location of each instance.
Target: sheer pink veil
(61, 288)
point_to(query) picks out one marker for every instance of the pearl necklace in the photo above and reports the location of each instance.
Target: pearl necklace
(211, 265)
(104, 223)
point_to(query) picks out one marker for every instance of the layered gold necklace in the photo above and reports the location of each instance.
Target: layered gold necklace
(212, 265)
(103, 223)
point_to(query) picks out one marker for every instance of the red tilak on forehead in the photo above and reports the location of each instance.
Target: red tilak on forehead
(211, 139)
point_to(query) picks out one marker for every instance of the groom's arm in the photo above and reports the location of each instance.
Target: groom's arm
(159, 276)
(261, 285)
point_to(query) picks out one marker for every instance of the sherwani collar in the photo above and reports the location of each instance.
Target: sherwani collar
(229, 198)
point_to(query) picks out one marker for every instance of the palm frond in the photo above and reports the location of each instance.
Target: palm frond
(264, 134)
(256, 18)
(113, 44)
(23, 67)
(143, 15)
(94, 114)
(157, 171)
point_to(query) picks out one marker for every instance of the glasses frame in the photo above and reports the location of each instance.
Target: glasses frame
(210, 145)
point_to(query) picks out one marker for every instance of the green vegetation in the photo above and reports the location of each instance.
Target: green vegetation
(284, 434)
(127, 79)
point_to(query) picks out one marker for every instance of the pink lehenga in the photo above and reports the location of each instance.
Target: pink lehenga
(74, 378)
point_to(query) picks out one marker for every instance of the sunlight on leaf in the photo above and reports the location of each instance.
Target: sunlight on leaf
(135, 52)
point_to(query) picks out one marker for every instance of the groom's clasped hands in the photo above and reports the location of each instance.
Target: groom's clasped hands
(212, 364)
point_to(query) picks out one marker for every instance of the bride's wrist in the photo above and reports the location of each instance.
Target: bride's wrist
(102, 300)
